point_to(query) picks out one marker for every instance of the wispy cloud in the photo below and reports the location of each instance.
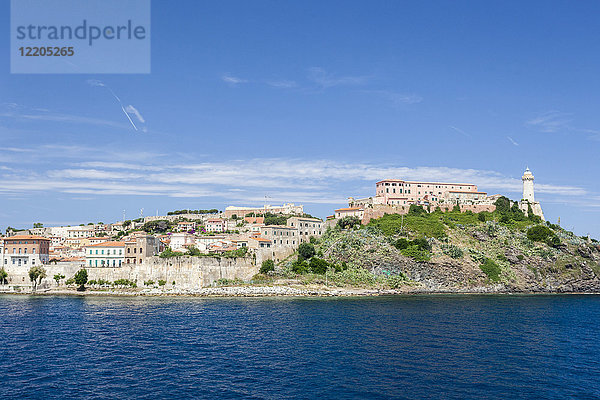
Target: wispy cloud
(512, 141)
(326, 80)
(300, 180)
(459, 131)
(396, 98)
(126, 110)
(232, 80)
(550, 122)
(282, 84)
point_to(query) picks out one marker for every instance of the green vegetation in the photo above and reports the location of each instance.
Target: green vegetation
(160, 226)
(541, 233)
(452, 251)
(81, 278)
(162, 282)
(348, 222)
(124, 283)
(267, 266)
(36, 274)
(58, 277)
(3, 276)
(491, 269)
(179, 212)
(149, 282)
(168, 253)
(306, 250)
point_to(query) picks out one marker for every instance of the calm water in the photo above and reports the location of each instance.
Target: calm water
(375, 348)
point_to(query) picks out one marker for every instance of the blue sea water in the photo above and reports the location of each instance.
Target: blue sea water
(414, 347)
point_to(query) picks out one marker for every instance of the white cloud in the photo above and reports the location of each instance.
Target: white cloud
(132, 110)
(282, 84)
(327, 80)
(232, 80)
(550, 122)
(512, 141)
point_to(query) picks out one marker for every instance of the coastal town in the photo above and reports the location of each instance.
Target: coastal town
(268, 232)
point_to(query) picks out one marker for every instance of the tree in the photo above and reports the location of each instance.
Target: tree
(57, 278)
(36, 274)
(81, 278)
(126, 223)
(267, 266)
(306, 250)
(318, 265)
(193, 251)
(3, 276)
(348, 222)
(38, 225)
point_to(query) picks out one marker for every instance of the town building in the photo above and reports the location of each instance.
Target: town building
(215, 225)
(25, 250)
(186, 226)
(181, 241)
(307, 227)
(281, 235)
(357, 212)
(140, 247)
(106, 254)
(241, 212)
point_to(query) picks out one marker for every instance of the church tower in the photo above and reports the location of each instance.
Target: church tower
(527, 179)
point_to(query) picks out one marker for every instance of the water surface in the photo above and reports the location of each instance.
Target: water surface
(453, 347)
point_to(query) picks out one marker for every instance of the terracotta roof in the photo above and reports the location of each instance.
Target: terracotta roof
(350, 209)
(260, 239)
(26, 237)
(108, 244)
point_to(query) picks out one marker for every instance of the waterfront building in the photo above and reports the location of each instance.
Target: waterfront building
(106, 254)
(140, 247)
(25, 250)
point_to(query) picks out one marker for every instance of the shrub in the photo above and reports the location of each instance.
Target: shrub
(491, 269)
(521, 257)
(300, 266)
(318, 265)
(81, 278)
(541, 233)
(168, 253)
(452, 251)
(348, 222)
(267, 266)
(162, 282)
(416, 253)
(481, 217)
(124, 282)
(149, 283)
(70, 281)
(306, 250)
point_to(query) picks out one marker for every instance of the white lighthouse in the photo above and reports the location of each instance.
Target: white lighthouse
(528, 196)
(527, 179)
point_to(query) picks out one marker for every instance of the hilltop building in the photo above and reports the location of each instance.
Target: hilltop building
(528, 199)
(241, 212)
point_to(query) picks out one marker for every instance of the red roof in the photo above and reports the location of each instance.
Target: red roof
(26, 237)
(108, 244)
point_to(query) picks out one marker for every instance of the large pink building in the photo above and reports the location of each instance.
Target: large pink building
(400, 192)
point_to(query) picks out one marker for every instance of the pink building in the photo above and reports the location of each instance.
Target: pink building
(400, 192)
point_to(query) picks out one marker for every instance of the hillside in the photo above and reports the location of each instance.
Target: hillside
(454, 251)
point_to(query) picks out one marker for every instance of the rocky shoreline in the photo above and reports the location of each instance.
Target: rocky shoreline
(288, 291)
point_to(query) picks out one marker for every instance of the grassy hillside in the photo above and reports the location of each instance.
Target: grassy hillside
(455, 251)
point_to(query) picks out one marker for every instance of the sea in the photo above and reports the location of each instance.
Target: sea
(397, 347)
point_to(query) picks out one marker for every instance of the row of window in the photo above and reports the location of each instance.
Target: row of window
(105, 263)
(107, 251)
(24, 250)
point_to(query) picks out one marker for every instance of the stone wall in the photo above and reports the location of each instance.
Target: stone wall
(186, 272)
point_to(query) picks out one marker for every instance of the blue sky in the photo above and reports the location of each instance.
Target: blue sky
(312, 102)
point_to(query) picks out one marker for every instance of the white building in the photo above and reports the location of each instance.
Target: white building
(216, 225)
(307, 227)
(181, 241)
(529, 196)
